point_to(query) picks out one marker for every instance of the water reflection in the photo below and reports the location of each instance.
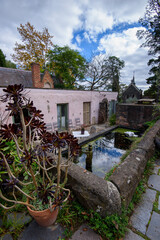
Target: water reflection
(101, 155)
(121, 141)
(89, 156)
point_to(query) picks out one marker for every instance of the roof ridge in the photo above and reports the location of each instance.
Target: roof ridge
(132, 85)
(15, 69)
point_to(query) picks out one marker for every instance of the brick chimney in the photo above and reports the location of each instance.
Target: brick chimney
(36, 78)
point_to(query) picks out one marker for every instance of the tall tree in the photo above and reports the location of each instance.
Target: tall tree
(96, 73)
(104, 73)
(114, 65)
(4, 62)
(68, 65)
(151, 35)
(10, 64)
(34, 47)
(2, 59)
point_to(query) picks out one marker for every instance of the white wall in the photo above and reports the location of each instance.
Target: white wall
(47, 100)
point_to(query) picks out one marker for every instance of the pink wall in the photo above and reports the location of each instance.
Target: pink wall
(47, 100)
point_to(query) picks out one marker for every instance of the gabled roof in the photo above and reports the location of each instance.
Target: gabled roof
(10, 76)
(132, 85)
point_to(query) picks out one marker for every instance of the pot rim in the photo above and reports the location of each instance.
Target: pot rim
(54, 206)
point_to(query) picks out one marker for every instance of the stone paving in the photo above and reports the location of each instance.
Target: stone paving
(85, 233)
(145, 222)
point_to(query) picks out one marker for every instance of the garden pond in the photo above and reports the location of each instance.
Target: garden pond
(103, 153)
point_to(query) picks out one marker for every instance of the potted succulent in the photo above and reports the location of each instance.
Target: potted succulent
(33, 176)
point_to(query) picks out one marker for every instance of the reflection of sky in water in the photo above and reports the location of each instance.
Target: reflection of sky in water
(104, 156)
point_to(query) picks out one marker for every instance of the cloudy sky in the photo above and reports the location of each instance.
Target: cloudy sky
(90, 26)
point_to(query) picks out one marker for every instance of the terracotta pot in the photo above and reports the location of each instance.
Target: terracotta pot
(44, 218)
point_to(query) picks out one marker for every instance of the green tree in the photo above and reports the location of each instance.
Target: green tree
(151, 35)
(122, 88)
(35, 45)
(114, 65)
(68, 65)
(10, 64)
(4, 62)
(104, 72)
(2, 59)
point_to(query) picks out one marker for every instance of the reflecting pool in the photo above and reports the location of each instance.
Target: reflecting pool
(100, 155)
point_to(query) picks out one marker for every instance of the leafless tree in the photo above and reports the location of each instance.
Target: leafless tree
(97, 72)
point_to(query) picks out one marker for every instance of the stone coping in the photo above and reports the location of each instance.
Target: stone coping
(105, 196)
(96, 135)
(128, 174)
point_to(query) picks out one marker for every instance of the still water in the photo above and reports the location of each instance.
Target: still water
(100, 155)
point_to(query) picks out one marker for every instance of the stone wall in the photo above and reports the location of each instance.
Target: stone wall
(104, 196)
(128, 174)
(133, 115)
(94, 192)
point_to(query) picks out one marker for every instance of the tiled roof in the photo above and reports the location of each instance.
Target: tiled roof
(9, 76)
(132, 85)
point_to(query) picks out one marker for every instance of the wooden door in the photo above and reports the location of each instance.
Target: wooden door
(86, 113)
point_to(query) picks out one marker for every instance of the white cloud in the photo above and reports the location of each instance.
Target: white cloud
(78, 39)
(97, 22)
(63, 18)
(104, 14)
(121, 10)
(60, 17)
(125, 43)
(126, 46)
(87, 37)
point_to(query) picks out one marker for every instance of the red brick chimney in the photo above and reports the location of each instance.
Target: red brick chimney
(36, 78)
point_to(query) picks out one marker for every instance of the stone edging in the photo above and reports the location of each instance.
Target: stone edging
(94, 192)
(105, 196)
(128, 174)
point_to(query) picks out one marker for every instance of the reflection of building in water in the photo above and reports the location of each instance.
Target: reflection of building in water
(121, 141)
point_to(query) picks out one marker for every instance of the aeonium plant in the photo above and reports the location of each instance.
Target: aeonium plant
(34, 179)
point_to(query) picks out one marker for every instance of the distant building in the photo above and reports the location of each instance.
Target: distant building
(131, 93)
